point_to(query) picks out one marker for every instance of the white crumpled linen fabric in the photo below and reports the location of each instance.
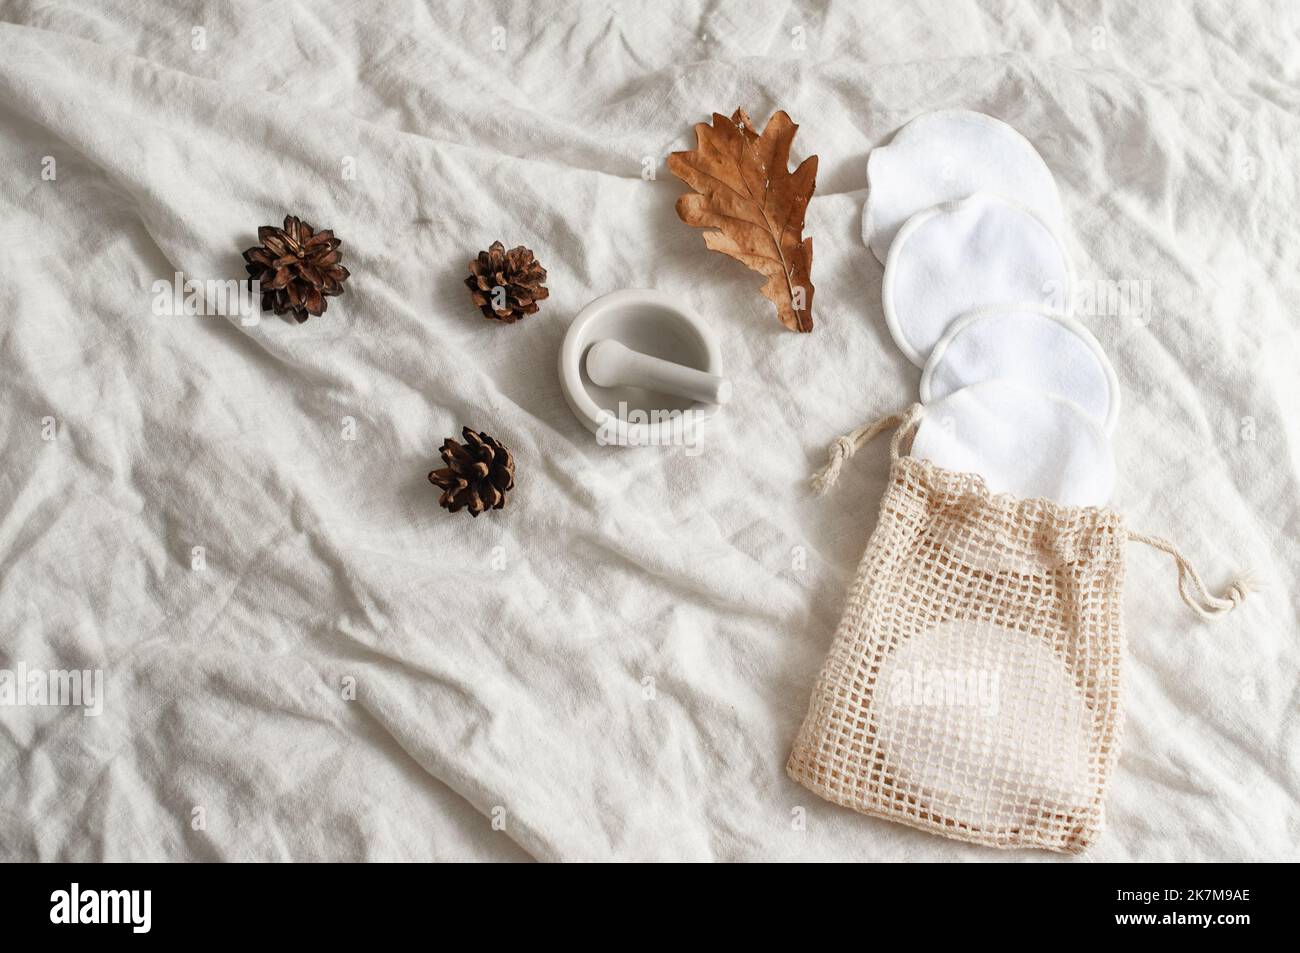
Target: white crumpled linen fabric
(615, 666)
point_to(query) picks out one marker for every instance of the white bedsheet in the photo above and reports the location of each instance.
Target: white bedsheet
(616, 665)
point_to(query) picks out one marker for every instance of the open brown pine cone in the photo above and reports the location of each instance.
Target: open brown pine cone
(506, 285)
(477, 475)
(298, 268)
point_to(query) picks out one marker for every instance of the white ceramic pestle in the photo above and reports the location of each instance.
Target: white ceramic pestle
(610, 364)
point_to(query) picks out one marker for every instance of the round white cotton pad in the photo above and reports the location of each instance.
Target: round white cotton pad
(947, 155)
(988, 721)
(1022, 441)
(1034, 347)
(975, 253)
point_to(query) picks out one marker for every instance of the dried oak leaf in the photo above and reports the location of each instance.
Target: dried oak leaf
(744, 190)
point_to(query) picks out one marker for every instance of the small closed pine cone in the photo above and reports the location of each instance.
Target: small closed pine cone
(516, 272)
(298, 268)
(478, 475)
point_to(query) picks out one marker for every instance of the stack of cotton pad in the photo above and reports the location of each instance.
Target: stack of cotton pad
(967, 219)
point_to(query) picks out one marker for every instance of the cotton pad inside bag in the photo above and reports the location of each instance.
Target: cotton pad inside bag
(948, 155)
(1022, 441)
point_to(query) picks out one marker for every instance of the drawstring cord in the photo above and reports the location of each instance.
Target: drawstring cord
(846, 446)
(1191, 587)
(1201, 601)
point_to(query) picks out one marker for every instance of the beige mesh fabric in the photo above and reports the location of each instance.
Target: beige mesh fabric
(972, 689)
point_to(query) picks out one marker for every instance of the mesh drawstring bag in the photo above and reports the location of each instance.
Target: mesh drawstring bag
(972, 689)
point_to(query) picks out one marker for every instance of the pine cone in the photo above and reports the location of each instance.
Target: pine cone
(478, 475)
(298, 268)
(516, 272)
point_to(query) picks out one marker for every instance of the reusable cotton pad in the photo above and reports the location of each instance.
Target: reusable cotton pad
(954, 719)
(974, 253)
(944, 156)
(1021, 441)
(1034, 347)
